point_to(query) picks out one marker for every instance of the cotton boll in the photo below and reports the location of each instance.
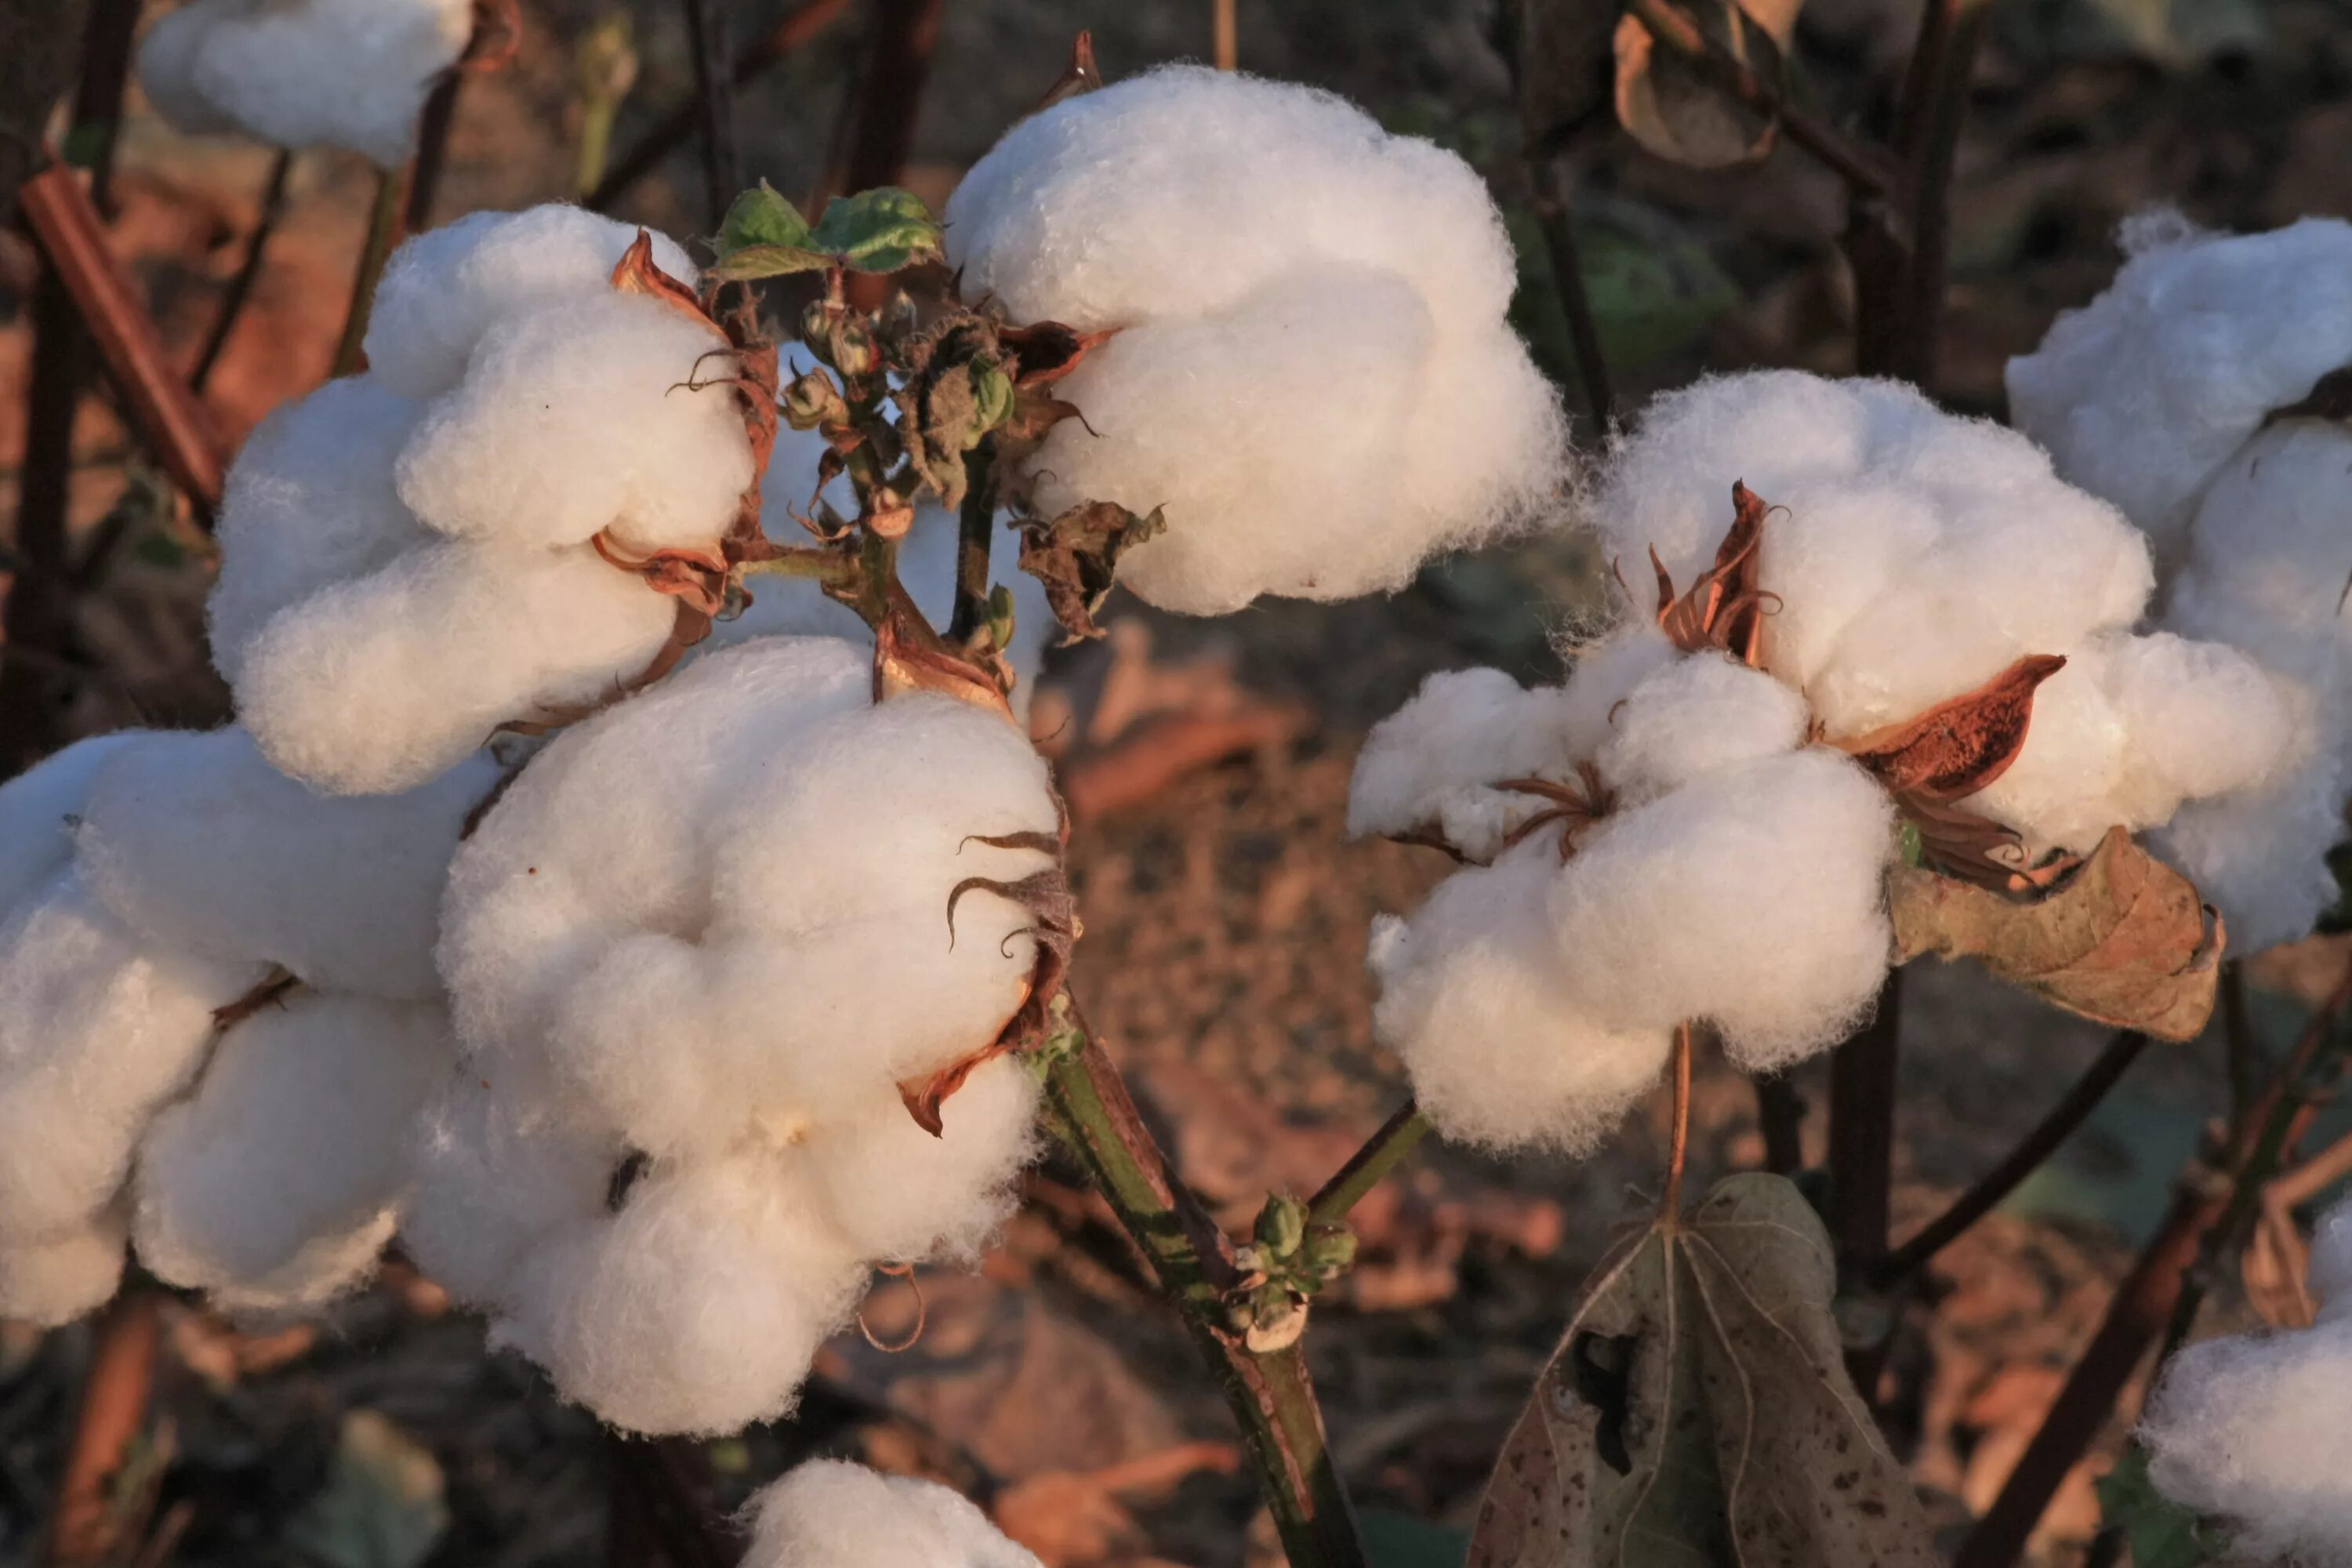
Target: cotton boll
(201, 846)
(167, 66)
(2145, 392)
(37, 809)
(594, 842)
(442, 289)
(491, 1182)
(309, 502)
(697, 1308)
(2061, 789)
(54, 1281)
(607, 412)
(2258, 856)
(1605, 673)
(897, 1193)
(1752, 897)
(1501, 1052)
(1432, 762)
(277, 1180)
(383, 682)
(1697, 717)
(2251, 1428)
(2204, 719)
(95, 1033)
(828, 1512)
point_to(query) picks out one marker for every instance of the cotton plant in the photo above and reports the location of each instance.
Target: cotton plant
(1881, 634)
(2205, 394)
(828, 1512)
(352, 74)
(222, 1018)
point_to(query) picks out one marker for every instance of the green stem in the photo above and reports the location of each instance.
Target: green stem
(1270, 1393)
(383, 233)
(1365, 1169)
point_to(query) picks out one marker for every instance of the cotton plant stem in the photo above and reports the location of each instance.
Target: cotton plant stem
(1270, 1393)
(796, 28)
(431, 151)
(1670, 1203)
(1382, 1152)
(2063, 1120)
(714, 91)
(975, 534)
(248, 272)
(1568, 281)
(1781, 1118)
(2147, 1303)
(1863, 1080)
(1928, 141)
(383, 233)
(1226, 30)
(889, 98)
(85, 1529)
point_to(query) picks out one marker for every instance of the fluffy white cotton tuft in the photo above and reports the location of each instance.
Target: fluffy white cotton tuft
(276, 1183)
(2144, 394)
(828, 1512)
(1500, 1050)
(199, 845)
(442, 289)
(1695, 717)
(1312, 373)
(39, 808)
(56, 1279)
(336, 73)
(897, 1193)
(698, 1307)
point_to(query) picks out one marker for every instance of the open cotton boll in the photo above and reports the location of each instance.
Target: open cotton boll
(1695, 717)
(278, 1179)
(1501, 1053)
(607, 834)
(1433, 762)
(200, 844)
(340, 73)
(608, 412)
(696, 1308)
(442, 289)
(2251, 1427)
(2143, 394)
(899, 1193)
(828, 1513)
(52, 1282)
(95, 1033)
(828, 966)
(1752, 897)
(383, 682)
(491, 1182)
(37, 810)
(309, 502)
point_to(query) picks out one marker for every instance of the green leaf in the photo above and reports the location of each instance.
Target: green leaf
(381, 1506)
(879, 230)
(766, 261)
(762, 217)
(2162, 1533)
(1697, 1413)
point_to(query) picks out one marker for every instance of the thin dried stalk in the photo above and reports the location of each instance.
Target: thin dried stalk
(85, 1528)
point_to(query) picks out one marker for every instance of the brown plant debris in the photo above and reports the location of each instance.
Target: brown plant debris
(1724, 607)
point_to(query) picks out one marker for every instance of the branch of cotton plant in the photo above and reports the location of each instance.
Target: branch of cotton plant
(86, 1527)
(1270, 1393)
(249, 271)
(714, 92)
(2064, 1119)
(1368, 1166)
(1568, 281)
(976, 531)
(2145, 1305)
(1863, 168)
(796, 27)
(383, 232)
(1863, 1083)
(1927, 137)
(1781, 1118)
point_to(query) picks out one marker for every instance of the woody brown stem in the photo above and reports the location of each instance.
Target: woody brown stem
(1863, 1079)
(85, 1528)
(383, 233)
(248, 272)
(1781, 1118)
(714, 92)
(1567, 282)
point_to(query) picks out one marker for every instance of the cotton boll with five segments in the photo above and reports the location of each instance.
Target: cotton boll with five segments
(828, 1512)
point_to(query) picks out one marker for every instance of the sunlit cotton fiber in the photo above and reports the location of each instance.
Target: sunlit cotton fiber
(828, 1512)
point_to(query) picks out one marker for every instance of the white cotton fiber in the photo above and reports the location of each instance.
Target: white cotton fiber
(276, 1183)
(37, 810)
(1695, 717)
(608, 412)
(383, 682)
(896, 1193)
(95, 1033)
(199, 845)
(2146, 393)
(1430, 766)
(1751, 897)
(303, 73)
(442, 289)
(828, 1513)
(698, 1307)
(56, 1279)
(1500, 1051)
(310, 503)
(1910, 555)
(1311, 371)
(490, 1183)
(2260, 855)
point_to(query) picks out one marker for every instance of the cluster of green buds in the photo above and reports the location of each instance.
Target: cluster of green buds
(1289, 1257)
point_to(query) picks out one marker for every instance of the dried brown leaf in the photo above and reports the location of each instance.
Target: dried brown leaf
(1074, 557)
(908, 656)
(2123, 939)
(1960, 745)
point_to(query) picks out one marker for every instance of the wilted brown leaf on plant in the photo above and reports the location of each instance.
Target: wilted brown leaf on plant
(1698, 1411)
(2123, 939)
(1076, 557)
(1672, 108)
(1960, 745)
